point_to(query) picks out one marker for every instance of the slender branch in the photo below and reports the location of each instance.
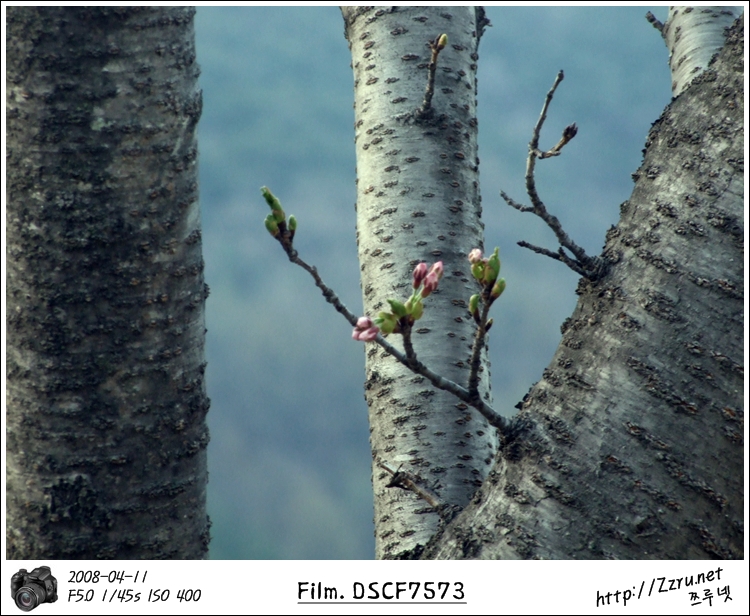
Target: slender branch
(534, 144)
(558, 256)
(476, 351)
(568, 133)
(515, 204)
(408, 481)
(592, 268)
(436, 47)
(328, 293)
(534, 153)
(411, 354)
(410, 359)
(492, 416)
(655, 22)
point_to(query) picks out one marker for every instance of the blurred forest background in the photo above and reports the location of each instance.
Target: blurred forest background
(289, 457)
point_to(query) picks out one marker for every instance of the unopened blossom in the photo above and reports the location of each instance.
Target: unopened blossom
(475, 256)
(430, 283)
(418, 276)
(365, 330)
(437, 269)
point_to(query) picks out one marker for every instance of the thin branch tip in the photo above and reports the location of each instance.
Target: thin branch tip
(436, 47)
(582, 264)
(651, 18)
(408, 481)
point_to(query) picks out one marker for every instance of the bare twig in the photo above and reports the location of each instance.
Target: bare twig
(534, 144)
(655, 22)
(440, 382)
(592, 268)
(411, 354)
(411, 361)
(515, 204)
(328, 293)
(558, 256)
(408, 481)
(436, 47)
(568, 133)
(476, 351)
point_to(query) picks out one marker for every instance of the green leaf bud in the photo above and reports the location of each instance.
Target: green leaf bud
(270, 198)
(387, 322)
(442, 41)
(498, 288)
(398, 308)
(274, 204)
(474, 303)
(272, 225)
(292, 224)
(474, 307)
(477, 270)
(493, 267)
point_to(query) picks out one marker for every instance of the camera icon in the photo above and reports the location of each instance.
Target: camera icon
(32, 589)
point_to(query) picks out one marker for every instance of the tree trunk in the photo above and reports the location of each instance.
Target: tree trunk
(106, 433)
(693, 34)
(631, 446)
(418, 200)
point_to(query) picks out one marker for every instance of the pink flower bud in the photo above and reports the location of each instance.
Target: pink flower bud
(364, 323)
(365, 330)
(475, 256)
(437, 269)
(369, 334)
(418, 276)
(430, 284)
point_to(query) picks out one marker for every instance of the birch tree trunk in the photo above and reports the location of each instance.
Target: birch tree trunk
(631, 446)
(693, 34)
(106, 432)
(418, 200)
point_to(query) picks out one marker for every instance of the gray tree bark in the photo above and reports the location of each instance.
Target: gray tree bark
(631, 445)
(106, 432)
(418, 200)
(693, 34)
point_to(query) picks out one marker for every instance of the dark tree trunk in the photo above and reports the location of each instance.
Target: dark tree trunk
(106, 432)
